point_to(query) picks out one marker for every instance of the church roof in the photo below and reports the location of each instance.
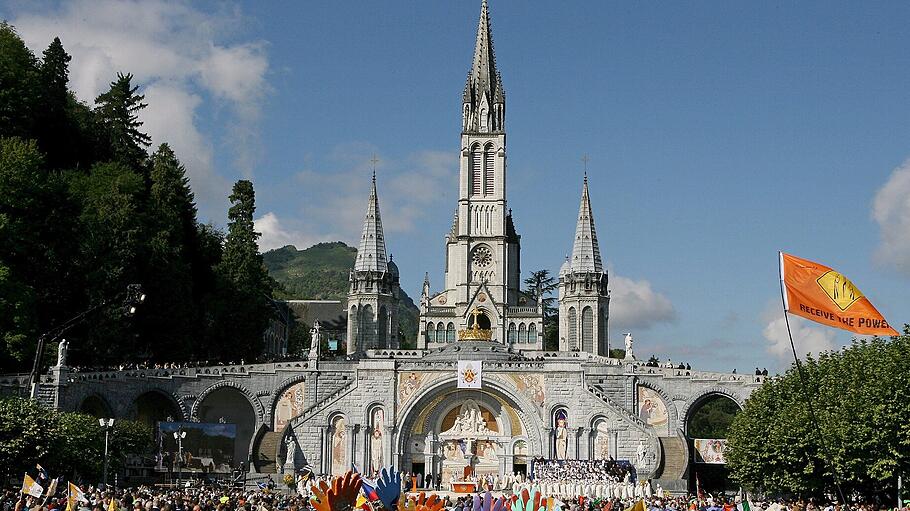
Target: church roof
(371, 255)
(585, 251)
(483, 77)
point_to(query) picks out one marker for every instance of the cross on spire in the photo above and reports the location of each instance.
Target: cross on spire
(585, 159)
(373, 161)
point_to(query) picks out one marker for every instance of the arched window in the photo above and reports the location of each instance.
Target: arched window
(450, 332)
(431, 332)
(587, 330)
(383, 326)
(368, 326)
(532, 332)
(522, 333)
(600, 440)
(489, 176)
(352, 319)
(476, 169)
(572, 321)
(440, 332)
(512, 333)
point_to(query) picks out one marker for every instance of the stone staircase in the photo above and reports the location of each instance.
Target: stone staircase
(601, 393)
(316, 408)
(264, 460)
(673, 466)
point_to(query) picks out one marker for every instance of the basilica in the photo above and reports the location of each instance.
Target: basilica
(479, 395)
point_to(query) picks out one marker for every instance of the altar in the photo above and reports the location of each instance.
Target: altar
(471, 447)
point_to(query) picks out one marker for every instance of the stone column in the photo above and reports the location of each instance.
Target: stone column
(584, 443)
(388, 437)
(550, 444)
(324, 450)
(350, 431)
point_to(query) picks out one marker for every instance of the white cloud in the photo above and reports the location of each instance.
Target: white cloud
(891, 210)
(806, 338)
(276, 235)
(175, 53)
(634, 305)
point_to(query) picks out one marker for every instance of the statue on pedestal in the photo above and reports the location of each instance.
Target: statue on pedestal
(628, 340)
(291, 451)
(62, 348)
(315, 341)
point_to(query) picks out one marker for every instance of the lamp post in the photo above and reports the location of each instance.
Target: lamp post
(179, 435)
(107, 425)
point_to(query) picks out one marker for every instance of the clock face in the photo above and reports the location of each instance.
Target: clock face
(482, 257)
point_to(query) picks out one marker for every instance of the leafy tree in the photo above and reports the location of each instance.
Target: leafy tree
(713, 418)
(36, 232)
(18, 85)
(117, 111)
(113, 244)
(862, 399)
(65, 443)
(540, 287)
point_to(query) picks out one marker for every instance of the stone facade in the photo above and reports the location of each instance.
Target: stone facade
(416, 391)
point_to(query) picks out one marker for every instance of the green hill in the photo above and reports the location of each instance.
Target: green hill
(321, 273)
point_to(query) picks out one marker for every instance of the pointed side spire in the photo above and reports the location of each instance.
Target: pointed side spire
(483, 93)
(371, 255)
(586, 251)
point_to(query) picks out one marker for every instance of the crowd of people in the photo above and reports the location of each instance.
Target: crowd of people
(601, 479)
(351, 494)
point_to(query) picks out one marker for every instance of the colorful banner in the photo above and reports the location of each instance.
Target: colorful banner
(469, 374)
(815, 291)
(710, 450)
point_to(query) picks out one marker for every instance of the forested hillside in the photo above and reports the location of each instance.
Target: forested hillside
(321, 273)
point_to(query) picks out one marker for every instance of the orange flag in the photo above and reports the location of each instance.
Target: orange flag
(815, 291)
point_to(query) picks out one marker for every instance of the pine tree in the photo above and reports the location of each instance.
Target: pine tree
(56, 133)
(242, 269)
(169, 318)
(117, 111)
(540, 287)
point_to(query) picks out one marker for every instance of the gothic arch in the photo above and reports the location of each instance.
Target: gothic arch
(699, 398)
(95, 405)
(170, 400)
(369, 409)
(530, 422)
(257, 406)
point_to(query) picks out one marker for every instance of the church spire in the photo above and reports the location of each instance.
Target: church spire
(484, 98)
(586, 251)
(371, 256)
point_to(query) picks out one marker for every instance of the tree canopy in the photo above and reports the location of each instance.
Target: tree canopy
(85, 211)
(861, 397)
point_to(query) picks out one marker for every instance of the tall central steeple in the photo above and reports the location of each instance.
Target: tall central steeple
(484, 99)
(371, 256)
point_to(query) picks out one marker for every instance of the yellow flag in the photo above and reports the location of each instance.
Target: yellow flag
(30, 487)
(113, 505)
(638, 506)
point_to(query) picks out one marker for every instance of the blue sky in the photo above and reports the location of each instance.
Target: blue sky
(718, 133)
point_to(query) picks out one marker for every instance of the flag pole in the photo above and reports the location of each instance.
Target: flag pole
(802, 380)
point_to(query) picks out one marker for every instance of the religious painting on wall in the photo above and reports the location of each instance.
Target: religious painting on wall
(710, 450)
(340, 462)
(561, 423)
(601, 440)
(377, 422)
(289, 405)
(651, 408)
(532, 386)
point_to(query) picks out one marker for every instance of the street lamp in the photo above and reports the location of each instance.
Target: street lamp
(107, 425)
(179, 435)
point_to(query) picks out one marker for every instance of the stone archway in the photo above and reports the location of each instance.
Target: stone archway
(231, 406)
(153, 406)
(427, 435)
(96, 406)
